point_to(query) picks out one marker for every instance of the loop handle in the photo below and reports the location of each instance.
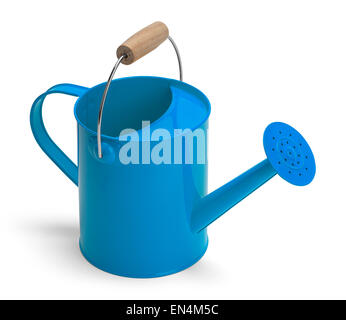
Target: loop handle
(43, 139)
(137, 46)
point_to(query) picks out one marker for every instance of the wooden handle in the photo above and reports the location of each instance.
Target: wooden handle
(143, 42)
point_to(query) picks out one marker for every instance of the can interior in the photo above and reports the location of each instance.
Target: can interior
(129, 102)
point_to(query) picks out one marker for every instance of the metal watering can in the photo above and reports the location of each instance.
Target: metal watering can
(148, 218)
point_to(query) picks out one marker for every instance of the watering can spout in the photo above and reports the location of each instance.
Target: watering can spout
(215, 204)
(288, 155)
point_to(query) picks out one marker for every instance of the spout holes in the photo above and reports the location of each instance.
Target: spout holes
(273, 149)
(300, 174)
(289, 172)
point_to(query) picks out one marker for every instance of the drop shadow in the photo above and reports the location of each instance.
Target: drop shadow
(58, 243)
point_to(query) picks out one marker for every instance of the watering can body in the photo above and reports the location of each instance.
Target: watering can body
(135, 218)
(142, 181)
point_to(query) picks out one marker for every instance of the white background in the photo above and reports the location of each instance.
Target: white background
(258, 62)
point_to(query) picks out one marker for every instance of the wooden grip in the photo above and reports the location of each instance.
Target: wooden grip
(143, 42)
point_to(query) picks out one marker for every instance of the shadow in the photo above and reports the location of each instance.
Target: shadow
(56, 230)
(58, 244)
(205, 270)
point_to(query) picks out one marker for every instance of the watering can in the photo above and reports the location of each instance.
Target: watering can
(142, 215)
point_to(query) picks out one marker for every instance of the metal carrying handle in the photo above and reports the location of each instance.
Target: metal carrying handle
(141, 43)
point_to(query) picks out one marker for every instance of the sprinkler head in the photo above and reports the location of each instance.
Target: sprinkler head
(289, 154)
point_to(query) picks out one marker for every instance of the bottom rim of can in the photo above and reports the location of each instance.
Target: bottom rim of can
(146, 275)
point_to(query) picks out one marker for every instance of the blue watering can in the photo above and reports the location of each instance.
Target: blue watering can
(144, 213)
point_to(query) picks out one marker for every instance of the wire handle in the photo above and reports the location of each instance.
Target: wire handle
(137, 46)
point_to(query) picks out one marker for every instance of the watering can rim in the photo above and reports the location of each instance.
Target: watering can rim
(177, 83)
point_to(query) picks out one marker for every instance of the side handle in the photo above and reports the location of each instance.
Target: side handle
(42, 137)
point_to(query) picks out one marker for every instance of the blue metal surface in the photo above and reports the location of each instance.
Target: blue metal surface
(143, 220)
(221, 200)
(289, 154)
(134, 219)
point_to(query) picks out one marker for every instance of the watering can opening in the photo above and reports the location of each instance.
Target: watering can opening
(165, 103)
(130, 100)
